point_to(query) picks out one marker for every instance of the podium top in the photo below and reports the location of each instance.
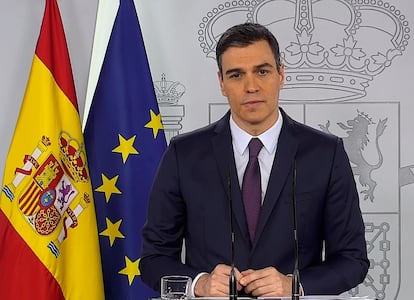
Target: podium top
(324, 297)
(284, 298)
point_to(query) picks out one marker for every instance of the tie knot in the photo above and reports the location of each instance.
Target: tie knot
(255, 145)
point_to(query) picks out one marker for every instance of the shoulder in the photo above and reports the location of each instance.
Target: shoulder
(310, 140)
(203, 134)
(307, 133)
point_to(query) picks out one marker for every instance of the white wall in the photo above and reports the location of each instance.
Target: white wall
(19, 30)
(174, 35)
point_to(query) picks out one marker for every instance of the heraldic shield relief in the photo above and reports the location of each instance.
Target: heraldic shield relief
(370, 132)
(45, 190)
(332, 51)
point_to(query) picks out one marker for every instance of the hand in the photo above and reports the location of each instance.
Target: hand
(266, 282)
(216, 283)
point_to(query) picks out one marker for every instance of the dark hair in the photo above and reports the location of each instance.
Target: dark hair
(243, 35)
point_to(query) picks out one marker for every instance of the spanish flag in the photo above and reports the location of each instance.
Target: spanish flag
(48, 233)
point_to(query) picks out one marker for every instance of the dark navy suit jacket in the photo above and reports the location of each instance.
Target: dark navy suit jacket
(190, 200)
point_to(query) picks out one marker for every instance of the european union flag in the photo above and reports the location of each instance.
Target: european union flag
(124, 141)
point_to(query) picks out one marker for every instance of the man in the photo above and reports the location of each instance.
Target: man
(200, 183)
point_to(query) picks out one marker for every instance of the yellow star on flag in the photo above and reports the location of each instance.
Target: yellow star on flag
(155, 124)
(112, 231)
(126, 147)
(108, 186)
(131, 269)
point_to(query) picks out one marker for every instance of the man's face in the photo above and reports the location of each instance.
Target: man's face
(251, 83)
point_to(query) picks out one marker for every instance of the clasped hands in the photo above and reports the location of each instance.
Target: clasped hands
(259, 283)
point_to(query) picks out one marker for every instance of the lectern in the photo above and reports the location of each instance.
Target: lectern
(324, 297)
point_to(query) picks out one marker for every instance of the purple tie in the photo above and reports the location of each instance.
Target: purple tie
(251, 189)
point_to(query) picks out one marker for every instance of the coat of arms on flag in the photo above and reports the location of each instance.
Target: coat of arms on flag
(45, 187)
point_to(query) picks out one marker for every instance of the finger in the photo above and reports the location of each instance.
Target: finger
(247, 272)
(271, 284)
(249, 276)
(238, 277)
(220, 280)
(270, 271)
(216, 286)
(264, 287)
(223, 269)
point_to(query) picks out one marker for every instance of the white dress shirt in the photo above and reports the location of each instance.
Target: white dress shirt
(269, 139)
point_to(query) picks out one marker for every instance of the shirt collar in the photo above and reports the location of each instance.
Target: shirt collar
(269, 138)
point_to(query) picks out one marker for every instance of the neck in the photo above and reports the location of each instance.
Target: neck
(257, 128)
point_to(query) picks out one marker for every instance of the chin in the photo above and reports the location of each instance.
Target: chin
(255, 116)
(254, 121)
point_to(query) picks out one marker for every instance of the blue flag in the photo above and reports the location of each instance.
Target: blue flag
(124, 140)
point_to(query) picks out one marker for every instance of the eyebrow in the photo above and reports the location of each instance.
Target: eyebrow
(239, 70)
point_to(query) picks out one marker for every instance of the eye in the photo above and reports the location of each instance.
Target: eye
(235, 75)
(263, 72)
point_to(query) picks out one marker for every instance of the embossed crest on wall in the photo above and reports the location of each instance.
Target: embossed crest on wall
(332, 51)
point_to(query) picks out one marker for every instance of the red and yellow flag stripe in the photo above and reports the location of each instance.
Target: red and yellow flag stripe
(48, 234)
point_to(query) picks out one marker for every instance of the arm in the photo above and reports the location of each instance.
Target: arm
(163, 233)
(165, 230)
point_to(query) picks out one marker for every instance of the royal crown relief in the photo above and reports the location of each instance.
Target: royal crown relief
(332, 49)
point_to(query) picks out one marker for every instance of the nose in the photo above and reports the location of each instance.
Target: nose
(251, 84)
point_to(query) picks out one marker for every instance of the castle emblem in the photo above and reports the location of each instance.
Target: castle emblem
(168, 93)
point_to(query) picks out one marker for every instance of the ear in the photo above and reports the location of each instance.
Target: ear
(220, 78)
(282, 75)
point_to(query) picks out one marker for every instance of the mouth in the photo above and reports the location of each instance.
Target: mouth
(253, 103)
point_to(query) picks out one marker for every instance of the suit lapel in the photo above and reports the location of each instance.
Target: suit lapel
(223, 152)
(282, 165)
